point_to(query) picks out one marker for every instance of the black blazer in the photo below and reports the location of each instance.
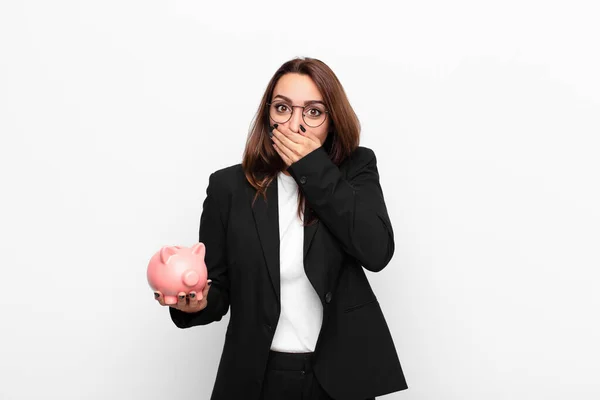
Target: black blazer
(355, 357)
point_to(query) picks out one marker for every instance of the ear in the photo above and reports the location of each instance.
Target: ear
(199, 249)
(166, 252)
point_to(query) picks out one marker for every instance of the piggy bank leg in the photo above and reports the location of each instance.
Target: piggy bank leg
(170, 300)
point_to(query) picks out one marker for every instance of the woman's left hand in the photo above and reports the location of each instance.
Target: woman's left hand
(293, 146)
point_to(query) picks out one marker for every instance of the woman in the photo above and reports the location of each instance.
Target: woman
(304, 320)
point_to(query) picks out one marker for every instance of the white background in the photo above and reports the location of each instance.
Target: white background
(485, 120)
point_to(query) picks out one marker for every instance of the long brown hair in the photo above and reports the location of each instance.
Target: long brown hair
(261, 162)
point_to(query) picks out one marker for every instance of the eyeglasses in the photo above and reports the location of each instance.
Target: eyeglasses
(313, 114)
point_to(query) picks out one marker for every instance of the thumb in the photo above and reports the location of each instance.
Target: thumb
(206, 288)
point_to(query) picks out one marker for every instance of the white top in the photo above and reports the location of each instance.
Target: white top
(301, 309)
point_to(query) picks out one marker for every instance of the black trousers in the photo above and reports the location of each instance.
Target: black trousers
(290, 376)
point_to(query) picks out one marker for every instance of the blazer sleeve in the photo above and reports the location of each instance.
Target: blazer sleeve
(353, 209)
(212, 234)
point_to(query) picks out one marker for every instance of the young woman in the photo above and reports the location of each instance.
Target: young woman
(288, 234)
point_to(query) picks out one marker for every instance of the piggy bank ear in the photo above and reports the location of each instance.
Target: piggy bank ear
(166, 252)
(199, 249)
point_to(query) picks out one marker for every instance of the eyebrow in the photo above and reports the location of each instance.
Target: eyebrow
(305, 103)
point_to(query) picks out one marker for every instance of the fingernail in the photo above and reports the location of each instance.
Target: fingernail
(192, 295)
(209, 283)
(156, 295)
(271, 134)
(303, 130)
(181, 296)
(275, 125)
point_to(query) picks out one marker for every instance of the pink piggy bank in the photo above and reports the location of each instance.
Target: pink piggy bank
(175, 269)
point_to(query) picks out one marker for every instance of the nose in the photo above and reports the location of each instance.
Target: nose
(190, 278)
(296, 119)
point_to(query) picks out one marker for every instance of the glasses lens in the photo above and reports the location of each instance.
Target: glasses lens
(314, 115)
(280, 112)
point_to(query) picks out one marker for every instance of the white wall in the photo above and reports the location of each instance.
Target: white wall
(485, 120)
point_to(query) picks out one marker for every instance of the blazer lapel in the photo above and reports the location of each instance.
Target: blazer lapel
(266, 218)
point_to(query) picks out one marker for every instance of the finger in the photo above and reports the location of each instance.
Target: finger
(311, 136)
(297, 144)
(159, 297)
(289, 156)
(285, 158)
(193, 299)
(181, 300)
(206, 289)
(283, 150)
(290, 135)
(282, 139)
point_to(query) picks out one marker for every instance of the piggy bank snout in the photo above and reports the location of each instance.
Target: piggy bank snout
(191, 278)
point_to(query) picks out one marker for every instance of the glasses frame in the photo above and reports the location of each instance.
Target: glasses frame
(303, 115)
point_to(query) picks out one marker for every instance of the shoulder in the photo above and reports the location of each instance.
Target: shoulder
(228, 173)
(224, 181)
(361, 154)
(362, 157)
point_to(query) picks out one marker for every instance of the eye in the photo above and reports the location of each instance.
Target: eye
(314, 112)
(281, 107)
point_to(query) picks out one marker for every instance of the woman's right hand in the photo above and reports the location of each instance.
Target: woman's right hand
(187, 303)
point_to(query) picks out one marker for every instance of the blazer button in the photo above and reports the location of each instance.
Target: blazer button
(328, 297)
(303, 180)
